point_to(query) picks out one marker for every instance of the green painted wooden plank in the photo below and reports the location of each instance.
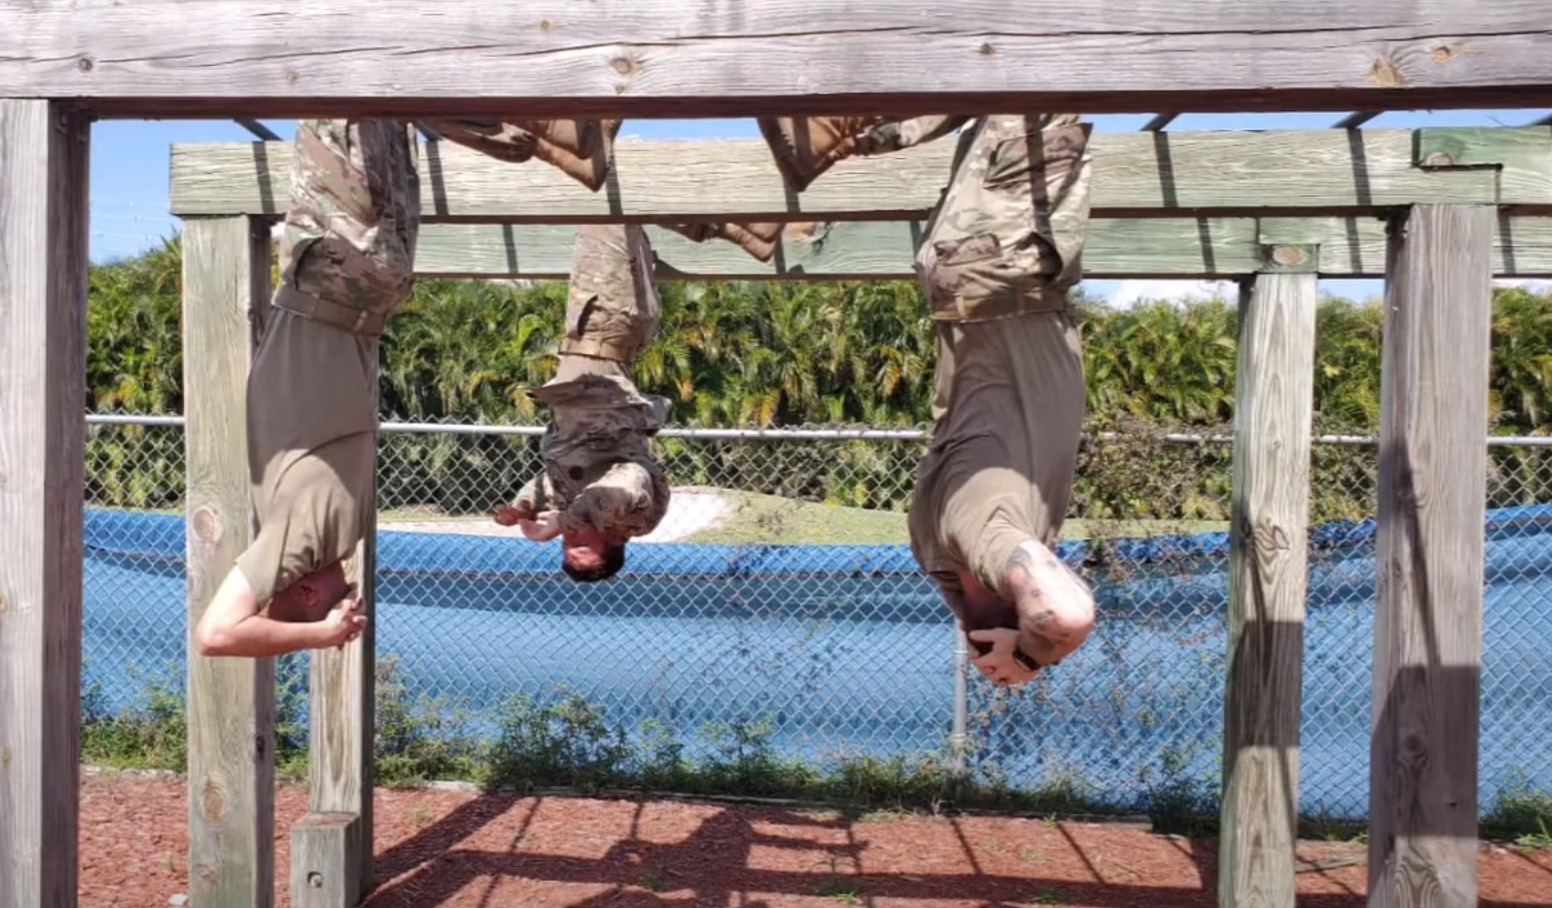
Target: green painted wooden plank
(1521, 155)
(1193, 248)
(1224, 173)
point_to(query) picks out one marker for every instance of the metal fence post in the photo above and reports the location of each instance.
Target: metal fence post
(960, 738)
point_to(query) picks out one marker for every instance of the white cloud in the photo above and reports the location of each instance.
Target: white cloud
(1534, 285)
(1129, 293)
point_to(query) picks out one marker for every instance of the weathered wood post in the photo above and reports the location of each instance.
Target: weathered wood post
(1268, 559)
(331, 847)
(43, 256)
(231, 702)
(1432, 510)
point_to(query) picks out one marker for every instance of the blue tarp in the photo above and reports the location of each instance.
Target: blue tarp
(849, 646)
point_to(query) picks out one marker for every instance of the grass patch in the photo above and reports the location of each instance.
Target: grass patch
(772, 519)
(1521, 814)
(568, 742)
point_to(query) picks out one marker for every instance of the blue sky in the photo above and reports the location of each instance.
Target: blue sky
(129, 179)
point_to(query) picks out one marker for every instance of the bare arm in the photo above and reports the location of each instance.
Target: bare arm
(234, 625)
(1055, 606)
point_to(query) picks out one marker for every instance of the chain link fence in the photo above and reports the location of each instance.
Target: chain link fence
(777, 611)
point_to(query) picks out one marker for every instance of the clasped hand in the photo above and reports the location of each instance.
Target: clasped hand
(540, 527)
(1000, 665)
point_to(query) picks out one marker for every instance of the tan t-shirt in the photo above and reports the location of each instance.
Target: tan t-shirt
(312, 424)
(1008, 413)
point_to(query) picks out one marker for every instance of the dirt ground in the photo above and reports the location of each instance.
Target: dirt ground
(461, 848)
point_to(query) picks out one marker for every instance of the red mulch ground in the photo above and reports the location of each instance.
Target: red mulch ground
(460, 848)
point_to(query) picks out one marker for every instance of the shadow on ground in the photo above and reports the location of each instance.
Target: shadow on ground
(482, 853)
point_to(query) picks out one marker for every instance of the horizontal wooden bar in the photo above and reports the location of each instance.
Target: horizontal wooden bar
(1135, 174)
(279, 58)
(1190, 248)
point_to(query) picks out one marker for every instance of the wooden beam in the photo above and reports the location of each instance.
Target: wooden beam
(689, 58)
(1135, 175)
(231, 702)
(1185, 248)
(1429, 550)
(1268, 561)
(43, 256)
(341, 734)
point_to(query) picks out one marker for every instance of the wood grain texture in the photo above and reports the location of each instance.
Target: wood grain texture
(43, 257)
(1135, 174)
(326, 850)
(276, 59)
(1520, 156)
(1429, 551)
(1268, 562)
(1186, 248)
(231, 701)
(341, 730)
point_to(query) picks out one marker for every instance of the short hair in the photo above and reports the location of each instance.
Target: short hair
(614, 559)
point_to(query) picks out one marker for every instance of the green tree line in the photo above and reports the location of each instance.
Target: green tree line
(736, 354)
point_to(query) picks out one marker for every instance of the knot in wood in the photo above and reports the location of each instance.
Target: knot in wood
(315, 880)
(207, 526)
(625, 66)
(85, 64)
(1443, 53)
(212, 803)
(1385, 73)
(987, 50)
(544, 25)
(1287, 255)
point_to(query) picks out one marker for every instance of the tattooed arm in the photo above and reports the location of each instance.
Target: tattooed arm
(1055, 607)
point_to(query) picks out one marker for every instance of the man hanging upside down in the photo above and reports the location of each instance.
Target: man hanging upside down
(1001, 251)
(600, 485)
(346, 264)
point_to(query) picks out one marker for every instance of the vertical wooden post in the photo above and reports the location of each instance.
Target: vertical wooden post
(1268, 559)
(43, 258)
(1432, 510)
(331, 848)
(231, 702)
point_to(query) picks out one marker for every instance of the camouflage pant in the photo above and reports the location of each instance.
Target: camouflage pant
(1007, 237)
(347, 249)
(612, 307)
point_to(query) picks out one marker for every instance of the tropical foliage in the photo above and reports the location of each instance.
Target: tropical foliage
(759, 355)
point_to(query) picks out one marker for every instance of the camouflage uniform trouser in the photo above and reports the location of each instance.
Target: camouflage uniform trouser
(598, 465)
(348, 245)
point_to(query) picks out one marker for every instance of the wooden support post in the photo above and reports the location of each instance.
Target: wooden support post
(231, 702)
(1429, 557)
(43, 255)
(341, 733)
(1274, 391)
(326, 854)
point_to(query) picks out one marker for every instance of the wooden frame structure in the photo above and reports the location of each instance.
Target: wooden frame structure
(1436, 212)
